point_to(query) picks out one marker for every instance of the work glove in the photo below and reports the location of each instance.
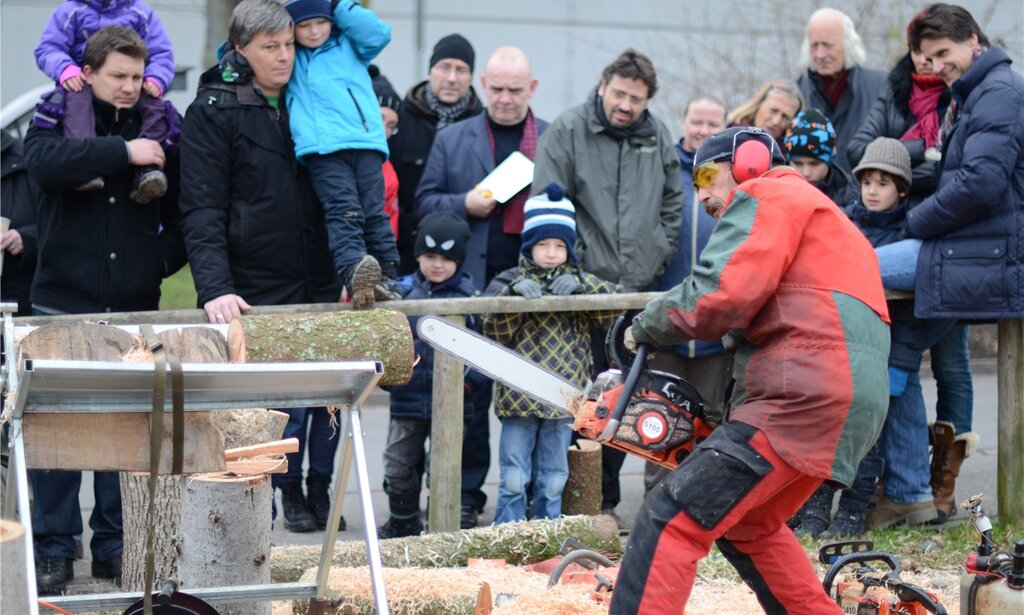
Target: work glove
(528, 288)
(565, 284)
(629, 341)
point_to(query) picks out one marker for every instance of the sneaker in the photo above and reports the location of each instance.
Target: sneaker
(468, 518)
(400, 528)
(845, 524)
(889, 513)
(360, 280)
(53, 574)
(107, 570)
(149, 183)
(95, 183)
(619, 523)
(388, 289)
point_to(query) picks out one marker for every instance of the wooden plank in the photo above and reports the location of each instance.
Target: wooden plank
(446, 442)
(277, 447)
(1010, 461)
(116, 442)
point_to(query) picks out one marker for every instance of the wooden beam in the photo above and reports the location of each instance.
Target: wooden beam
(446, 442)
(1010, 459)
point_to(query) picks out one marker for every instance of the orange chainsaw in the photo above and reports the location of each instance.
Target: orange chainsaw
(650, 413)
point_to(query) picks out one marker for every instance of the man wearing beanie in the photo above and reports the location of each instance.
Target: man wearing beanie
(811, 341)
(534, 437)
(446, 97)
(618, 164)
(810, 147)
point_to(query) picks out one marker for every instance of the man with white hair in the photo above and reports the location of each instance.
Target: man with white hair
(836, 82)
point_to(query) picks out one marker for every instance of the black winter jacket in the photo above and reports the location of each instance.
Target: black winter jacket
(972, 261)
(864, 86)
(253, 225)
(414, 399)
(887, 118)
(19, 202)
(100, 251)
(410, 148)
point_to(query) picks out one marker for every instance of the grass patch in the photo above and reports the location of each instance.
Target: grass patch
(178, 292)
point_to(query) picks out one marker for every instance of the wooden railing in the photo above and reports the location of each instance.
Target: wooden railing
(446, 433)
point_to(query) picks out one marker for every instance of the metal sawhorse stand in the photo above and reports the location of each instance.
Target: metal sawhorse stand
(92, 386)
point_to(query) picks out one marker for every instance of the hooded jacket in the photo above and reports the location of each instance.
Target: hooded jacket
(19, 202)
(99, 251)
(787, 267)
(253, 225)
(971, 264)
(626, 191)
(558, 341)
(63, 41)
(330, 96)
(409, 150)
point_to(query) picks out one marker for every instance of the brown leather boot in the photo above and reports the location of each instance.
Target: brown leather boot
(948, 453)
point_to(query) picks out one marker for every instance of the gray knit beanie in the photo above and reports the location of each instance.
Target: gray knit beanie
(889, 155)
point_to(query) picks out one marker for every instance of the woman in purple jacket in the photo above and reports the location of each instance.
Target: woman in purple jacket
(60, 55)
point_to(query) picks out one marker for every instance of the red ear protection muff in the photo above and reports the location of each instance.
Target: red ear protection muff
(750, 159)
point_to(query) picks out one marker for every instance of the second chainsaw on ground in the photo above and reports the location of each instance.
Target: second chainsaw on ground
(653, 414)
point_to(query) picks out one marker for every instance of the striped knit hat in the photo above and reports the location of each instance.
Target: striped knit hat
(549, 215)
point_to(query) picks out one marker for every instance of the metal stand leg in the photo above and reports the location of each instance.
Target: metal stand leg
(351, 447)
(18, 481)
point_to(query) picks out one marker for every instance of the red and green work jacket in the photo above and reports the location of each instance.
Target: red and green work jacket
(788, 269)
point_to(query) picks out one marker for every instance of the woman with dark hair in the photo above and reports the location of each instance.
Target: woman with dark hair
(966, 255)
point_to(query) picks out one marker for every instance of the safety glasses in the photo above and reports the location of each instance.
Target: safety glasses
(705, 174)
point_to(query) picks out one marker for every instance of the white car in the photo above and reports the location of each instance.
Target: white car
(17, 114)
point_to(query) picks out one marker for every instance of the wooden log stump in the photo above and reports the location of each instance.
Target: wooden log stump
(377, 335)
(582, 493)
(166, 523)
(225, 530)
(516, 543)
(13, 562)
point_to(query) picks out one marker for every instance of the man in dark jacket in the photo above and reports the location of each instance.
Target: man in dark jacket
(446, 97)
(460, 157)
(835, 82)
(98, 252)
(253, 225)
(19, 201)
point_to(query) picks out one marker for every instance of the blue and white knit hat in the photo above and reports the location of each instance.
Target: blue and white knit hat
(549, 215)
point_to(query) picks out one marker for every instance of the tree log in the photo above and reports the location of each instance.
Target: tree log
(13, 563)
(225, 530)
(582, 493)
(166, 523)
(376, 335)
(516, 543)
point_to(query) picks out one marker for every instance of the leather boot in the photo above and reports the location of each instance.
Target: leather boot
(297, 517)
(53, 574)
(948, 453)
(319, 501)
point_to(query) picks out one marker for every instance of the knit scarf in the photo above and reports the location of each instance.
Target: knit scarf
(512, 211)
(924, 101)
(447, 114)
(833, 88)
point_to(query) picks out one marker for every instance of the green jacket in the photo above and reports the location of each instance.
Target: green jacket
(627, 192)
(559, 341)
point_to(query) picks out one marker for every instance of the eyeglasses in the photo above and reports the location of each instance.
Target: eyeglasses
(705, 174)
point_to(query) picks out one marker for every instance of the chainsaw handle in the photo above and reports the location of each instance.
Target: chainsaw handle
(632, 378)
(855, 558)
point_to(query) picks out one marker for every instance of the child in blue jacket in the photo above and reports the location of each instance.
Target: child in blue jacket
(339, 136)
(440, 251)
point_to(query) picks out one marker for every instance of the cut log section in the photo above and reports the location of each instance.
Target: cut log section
(225, 536)
(377, 335)
(516, 543)
(582, 493)
(14, 564)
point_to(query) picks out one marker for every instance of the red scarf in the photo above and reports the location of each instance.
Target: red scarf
(512, 211)
(834, 87)
(924, 102)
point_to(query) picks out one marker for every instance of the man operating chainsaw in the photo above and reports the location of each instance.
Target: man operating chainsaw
(797, 289)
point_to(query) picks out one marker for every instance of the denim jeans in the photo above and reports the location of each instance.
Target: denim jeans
(898, 262)
(905, 446)
(321, 441)
(57, 517)
(350, 186)
(951, 365)
(532, 450)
